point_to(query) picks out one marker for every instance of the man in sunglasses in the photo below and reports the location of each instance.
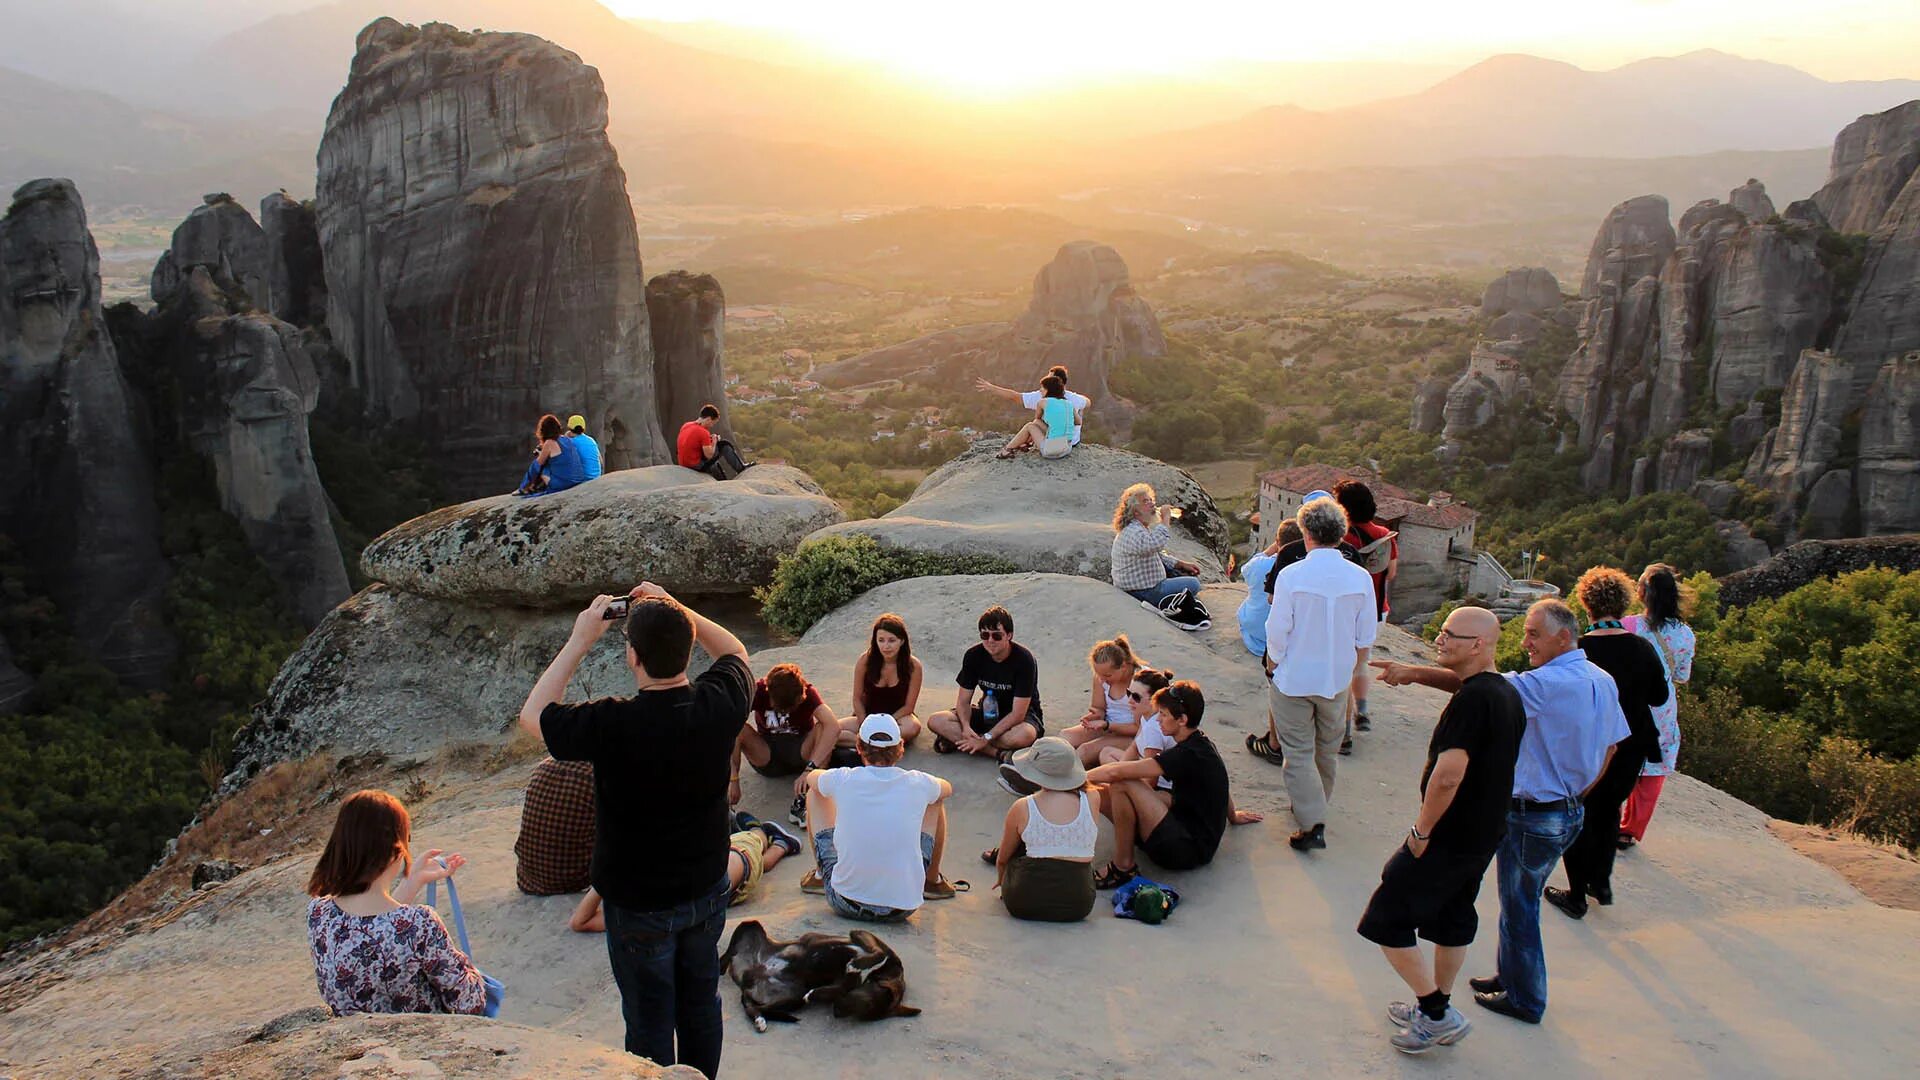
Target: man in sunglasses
(1429, 885)
(1007, 715)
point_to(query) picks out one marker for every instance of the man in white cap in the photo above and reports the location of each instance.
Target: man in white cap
(878, 831)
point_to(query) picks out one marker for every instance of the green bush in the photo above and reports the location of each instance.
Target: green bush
(825, 574)
(1749, 753)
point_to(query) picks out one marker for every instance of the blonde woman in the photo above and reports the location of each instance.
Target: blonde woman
(1109, 721)
(1141, 566)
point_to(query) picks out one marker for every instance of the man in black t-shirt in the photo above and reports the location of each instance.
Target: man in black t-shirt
(1007, 715)
(1429, 885)
(1178, 829)
(662, 823)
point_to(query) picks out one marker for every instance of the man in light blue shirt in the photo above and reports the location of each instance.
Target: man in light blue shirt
(1574, 721)
(583, 442)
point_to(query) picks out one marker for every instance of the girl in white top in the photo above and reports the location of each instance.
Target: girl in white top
(1045, 857)
(1150, 740)
(1110, 721)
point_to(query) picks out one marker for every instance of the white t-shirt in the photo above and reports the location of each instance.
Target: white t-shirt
(876, 833)
(1030, 401)
(1151, 737)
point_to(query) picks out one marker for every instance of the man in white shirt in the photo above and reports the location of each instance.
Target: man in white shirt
(1030, 399)
(878, 831)
(1318, 635)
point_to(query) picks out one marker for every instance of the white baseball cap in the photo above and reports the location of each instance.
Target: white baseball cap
(880, 729)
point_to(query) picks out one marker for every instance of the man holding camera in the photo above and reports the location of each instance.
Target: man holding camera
(661, 760)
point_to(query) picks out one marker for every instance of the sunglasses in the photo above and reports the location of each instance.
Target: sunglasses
(992, 635)
(1136, 696)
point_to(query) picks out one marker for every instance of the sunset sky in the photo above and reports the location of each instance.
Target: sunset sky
(987, 46)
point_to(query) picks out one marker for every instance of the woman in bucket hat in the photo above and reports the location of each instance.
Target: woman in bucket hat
(1045, 855)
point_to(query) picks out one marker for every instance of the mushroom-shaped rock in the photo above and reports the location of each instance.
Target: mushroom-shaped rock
(1046, 516)
(683, 529)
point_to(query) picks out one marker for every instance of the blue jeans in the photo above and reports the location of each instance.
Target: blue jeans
(667, 966)
(825, 857)
(1157, 593)
(1534, 843)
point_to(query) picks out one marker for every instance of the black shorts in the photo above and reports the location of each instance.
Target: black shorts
(981, 725)
(786, 752)
(1431, 896)
(1172, 846)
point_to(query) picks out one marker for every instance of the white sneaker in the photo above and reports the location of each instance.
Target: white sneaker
(1424, 1034)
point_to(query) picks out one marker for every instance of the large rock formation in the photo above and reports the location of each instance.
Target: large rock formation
(1430, 406)
(296, 275)
(1687, 305)
(1048, 516)
(1884, 317)
(1771, 297)
(1873, 159)
(1528, 290)
(77, 496)
(1752, 200)
(1812, 414)
(682, 528)
(1888, 482)
(481, 260)
(1084, 314)
(220, 235)
(1684, 459)
(688, 316)
(245, 388)
(1812, 560)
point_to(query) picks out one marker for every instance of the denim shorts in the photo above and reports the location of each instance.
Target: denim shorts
(824, 857)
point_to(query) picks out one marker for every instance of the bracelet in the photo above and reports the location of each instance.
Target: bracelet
(735, 777)
(1414, 831)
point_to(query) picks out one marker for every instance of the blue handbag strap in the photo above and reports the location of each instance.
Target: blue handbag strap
(459, 917)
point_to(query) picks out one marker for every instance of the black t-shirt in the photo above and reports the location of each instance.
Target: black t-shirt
(1200, 797)
(1642, 680)
(1015, 677)
(1294, 552)
(1486, 719)
(660, 763)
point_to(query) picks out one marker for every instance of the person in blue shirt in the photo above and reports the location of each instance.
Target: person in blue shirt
(589, 450)
(1574, 723)
(1259, 602)
(1052, 428)
(555, 467)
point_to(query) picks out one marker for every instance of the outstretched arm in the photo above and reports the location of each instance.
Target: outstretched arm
(995, 389)
(1394, 673)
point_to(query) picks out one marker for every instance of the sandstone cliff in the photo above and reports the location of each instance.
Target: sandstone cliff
(688, 316)
(1084, 314)
(222, 237)
(491, 272)
(78, 494)
(1873, 158)
(1888, 481)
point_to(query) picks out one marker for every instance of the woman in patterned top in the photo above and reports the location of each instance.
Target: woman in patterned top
(375, 950)
(1665, 626)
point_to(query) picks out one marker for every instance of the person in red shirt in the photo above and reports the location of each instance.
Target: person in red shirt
(698, 448)
(1357, 500)
(789, 730)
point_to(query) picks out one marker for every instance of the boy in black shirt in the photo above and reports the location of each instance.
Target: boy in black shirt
(1178, 829)
(1428, 886)
(1007, 716)
(662, 823)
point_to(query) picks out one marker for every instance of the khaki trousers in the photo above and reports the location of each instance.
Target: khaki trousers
(1309, 730)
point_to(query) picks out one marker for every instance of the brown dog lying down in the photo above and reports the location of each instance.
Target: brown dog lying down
(857, 974)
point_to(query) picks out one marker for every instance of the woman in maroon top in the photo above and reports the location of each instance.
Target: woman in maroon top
(886, 679)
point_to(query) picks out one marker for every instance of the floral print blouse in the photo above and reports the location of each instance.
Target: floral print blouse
(1674, 642)
(399, 961)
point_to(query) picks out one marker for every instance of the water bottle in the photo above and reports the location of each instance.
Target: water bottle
(990, 708)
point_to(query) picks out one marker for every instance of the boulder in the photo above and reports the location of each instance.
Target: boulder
(1716, 495)
(296, 276)
(1683, 459)
(1806, 212)
(222, 237)
(1520, 326)
(1430, 406)
(688, 317)
(1597, 474)
(482, 265)
(407, 675)
(1745, 431)
(209, 872)
(1637, 486)
(1046, 516)
(1811, 560)
(1470, 403)
(1751, 199)
(78, 494)
(1743, 549)
(1829, 506)
(1084, 314)
(684, 529)
(1888, 475)
(244, 389)
(1873, 159)
(1529, 290)
(1805, 444)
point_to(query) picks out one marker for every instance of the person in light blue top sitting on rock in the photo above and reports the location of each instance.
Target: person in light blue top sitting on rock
(1052, 426)
(589, 449)
(555, 467)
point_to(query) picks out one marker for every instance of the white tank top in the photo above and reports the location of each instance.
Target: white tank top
(1074, 840)
(1120, 711)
